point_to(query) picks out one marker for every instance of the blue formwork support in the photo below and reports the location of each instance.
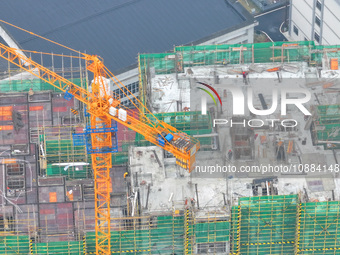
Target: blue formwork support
(78, 139)
(160, 140)
(86, 113)
(113, 130)
(68, 96)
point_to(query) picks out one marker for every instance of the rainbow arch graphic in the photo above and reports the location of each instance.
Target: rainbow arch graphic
(204, 100)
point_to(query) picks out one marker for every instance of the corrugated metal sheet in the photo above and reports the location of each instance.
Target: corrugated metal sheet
(117, 30)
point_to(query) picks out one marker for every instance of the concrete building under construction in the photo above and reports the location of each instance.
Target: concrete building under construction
(156, 207)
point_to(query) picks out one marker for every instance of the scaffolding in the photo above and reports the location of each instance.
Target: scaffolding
(59, 155)
(319, 228)
(257, 225)
(160, 234)
(275, 53)
(25, 85)
(264, 225)
(325, 127)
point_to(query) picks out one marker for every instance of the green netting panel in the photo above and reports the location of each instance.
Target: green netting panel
(209, 232)
(66, 248)
(191, 123)
(326, 126)
(167, 237)
(120, 158)
(10, 245)
(64, 151)
(328, 114)
(14, 245)
(140, 141)
(72, 172)
(267, 224)
(164, 235)
(263, 53)
(319, 229)
(34, 84)
(318, 52)
(329, 133)
(20, 85)
(61, 151)
(163, 63)
(186, 121)
(233, 229)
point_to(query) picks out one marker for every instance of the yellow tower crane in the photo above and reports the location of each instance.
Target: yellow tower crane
(103, 107)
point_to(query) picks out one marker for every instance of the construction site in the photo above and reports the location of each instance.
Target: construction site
(157, 203)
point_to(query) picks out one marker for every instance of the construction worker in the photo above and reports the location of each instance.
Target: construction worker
(230, 154)
(192, 200)
(244, 74)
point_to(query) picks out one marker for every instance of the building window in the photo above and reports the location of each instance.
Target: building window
(317, 21)
(318, 5)
(133, 87)
(296, 30)
(317, 37)
(7, 224)
(16, 183)
(211, 248)
(15, 169)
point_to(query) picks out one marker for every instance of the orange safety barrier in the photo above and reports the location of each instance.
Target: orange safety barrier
(290, 45)
(328, 85)
(6, 108)
(8, 161)
(290, 147)
(4, 118)
(53, 197)
(36, 108)
(69, 195)
(275, 69)
(334, 64)
(5, 113)
(6, 128)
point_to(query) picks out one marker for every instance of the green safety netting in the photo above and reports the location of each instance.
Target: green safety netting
(205, 55)
(207, 232)
(264, 225)
(25, 85)
(63, 151)
(163, 236)
(319, 228)
(259, 225)
(191, 123)
(326, 128)
(14, 245)
(67, 248)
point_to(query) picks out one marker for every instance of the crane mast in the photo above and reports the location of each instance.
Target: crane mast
(103, 107)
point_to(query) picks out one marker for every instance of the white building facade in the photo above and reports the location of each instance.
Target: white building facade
(317, 20)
